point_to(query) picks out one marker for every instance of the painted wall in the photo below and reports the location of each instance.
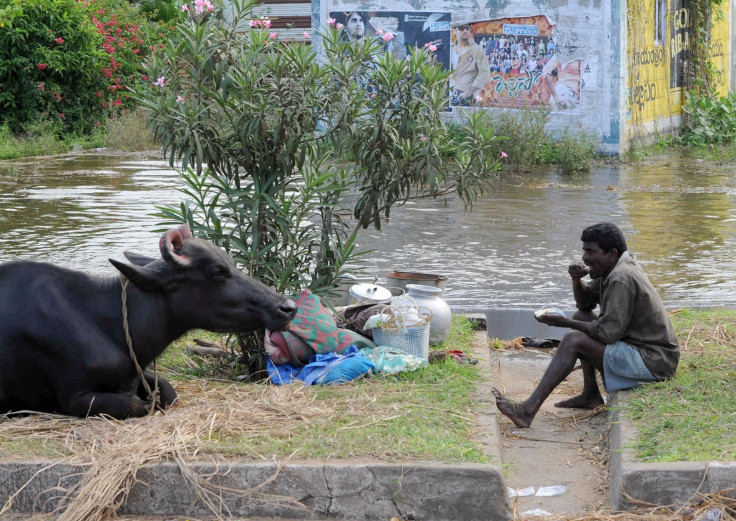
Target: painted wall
(658, 40)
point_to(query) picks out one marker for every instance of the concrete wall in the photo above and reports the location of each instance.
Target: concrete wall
(621, 67)
(589, 75)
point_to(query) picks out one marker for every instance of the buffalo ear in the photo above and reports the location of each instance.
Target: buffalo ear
(137, 259)
(141, 277)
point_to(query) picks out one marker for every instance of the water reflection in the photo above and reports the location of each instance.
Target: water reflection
(79, 210)
(511, 251)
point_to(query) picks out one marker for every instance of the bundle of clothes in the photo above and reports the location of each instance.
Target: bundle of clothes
(320, 349)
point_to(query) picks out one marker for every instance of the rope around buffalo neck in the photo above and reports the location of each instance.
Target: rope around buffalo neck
(153, 396)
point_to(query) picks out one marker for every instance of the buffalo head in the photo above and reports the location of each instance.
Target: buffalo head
(204, 289)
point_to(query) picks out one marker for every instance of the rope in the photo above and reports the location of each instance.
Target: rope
(153, 396)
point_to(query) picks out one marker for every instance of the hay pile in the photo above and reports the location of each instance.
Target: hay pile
(113, 451)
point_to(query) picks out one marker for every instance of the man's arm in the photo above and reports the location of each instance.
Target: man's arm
(484, 69)
(611, 326)
(584, 299)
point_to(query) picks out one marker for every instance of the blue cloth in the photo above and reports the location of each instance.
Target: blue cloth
(322, 369)
(623, 367)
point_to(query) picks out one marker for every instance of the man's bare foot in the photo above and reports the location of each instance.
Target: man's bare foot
(583, 401)
(511, 409)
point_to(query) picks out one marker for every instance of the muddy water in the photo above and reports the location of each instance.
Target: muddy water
(511, 251)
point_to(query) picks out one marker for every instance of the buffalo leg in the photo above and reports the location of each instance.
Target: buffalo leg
(115, 405)
(166, 391)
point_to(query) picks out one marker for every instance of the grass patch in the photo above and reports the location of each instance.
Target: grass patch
(127, 132)
(425, 415)
(691, 418)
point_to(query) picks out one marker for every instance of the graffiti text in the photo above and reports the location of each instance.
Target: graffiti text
(513, 86)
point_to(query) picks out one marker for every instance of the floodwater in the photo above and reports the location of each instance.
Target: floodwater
(511, 251)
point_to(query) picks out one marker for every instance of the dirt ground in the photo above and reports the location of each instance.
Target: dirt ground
(563, 447)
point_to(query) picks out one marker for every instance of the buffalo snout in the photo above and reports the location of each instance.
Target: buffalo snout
(286, 313)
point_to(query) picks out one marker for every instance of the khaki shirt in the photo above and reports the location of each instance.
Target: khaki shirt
(472, 69)
(631, 311)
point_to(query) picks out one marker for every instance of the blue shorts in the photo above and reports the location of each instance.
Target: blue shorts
(623, 367)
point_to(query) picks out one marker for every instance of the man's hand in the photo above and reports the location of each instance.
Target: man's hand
(468, 93)
(577, 271)
(553, 319)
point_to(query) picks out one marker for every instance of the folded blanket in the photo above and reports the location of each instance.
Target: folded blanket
(313, 331)
(322, 369)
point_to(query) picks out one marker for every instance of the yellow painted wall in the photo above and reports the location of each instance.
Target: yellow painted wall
(654, 93)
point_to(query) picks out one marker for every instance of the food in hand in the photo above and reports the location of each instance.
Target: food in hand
(549, 311)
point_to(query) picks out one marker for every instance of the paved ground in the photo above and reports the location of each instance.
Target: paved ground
(563, 447)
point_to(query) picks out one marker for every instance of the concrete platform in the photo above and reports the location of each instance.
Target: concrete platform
(507, 324)
(666, 484)
(348, 492)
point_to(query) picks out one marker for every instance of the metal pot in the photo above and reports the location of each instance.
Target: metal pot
(369, 294)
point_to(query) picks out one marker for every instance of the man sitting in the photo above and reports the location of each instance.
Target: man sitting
(632, 340)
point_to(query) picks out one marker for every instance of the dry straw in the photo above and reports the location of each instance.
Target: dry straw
(112, 451)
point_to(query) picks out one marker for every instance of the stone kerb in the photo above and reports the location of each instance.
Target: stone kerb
(666, 484)
(370, 492)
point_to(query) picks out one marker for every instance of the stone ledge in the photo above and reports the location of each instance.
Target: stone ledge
(666, 484)
(358, 492)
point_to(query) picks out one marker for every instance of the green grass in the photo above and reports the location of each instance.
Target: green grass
(127, 132)
(420, 415)
(692, 417)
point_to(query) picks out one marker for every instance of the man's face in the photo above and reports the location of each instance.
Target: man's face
(600, 262)
(464, 32)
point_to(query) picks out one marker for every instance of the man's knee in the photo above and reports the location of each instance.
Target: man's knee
(574, 339)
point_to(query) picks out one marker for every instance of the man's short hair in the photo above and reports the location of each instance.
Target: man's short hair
(606, 235)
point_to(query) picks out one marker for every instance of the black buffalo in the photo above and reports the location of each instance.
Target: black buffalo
(63, 346)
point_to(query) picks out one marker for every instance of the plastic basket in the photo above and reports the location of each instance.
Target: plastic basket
(413, 340)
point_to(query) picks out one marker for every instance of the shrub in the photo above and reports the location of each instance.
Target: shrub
(709, 119)
(523, 135)
(574, 151)
(254, 127)
(71, 62)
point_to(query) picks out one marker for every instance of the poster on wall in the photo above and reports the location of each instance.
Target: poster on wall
(512, 63)
(407, 29)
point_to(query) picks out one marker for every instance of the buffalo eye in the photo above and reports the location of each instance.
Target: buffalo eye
(217, 272)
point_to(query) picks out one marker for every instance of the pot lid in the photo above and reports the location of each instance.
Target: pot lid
(370, 292)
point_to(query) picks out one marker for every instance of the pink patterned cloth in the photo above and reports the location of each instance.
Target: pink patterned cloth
(313, 331)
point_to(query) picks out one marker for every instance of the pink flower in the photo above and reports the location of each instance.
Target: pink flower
(504, 155)
(432, 47)
(422, 137)
(41, 86)
(272, 35)
(306, 35)
(379, 31)
(331, 21)
(161, 82)
(387, 37)
(184, 8)
(253, 23)
(181, 99)
(266, 23)
(99, 94)
(59, 40)
(339, 26)
(136, 51)
(479, 99)
(41, 66)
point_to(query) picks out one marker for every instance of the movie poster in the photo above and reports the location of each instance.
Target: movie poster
(407, 29)
(523, 67)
